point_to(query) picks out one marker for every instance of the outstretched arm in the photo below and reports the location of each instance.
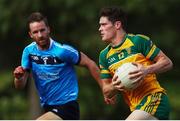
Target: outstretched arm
(106, 85)
(91, 66)
(109, 92)
(108, 89)
(20, 77)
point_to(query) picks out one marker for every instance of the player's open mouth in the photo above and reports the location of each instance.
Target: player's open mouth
(102, 35)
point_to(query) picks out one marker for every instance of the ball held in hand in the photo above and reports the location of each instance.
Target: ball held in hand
(123, 75)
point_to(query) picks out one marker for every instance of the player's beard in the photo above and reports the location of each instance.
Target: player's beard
(43, 42)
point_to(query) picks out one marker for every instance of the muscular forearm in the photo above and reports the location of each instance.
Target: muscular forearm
(92, 67)
(95, 72)
(160, 66)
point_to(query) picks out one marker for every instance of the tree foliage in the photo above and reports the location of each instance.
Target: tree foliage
(76, 22)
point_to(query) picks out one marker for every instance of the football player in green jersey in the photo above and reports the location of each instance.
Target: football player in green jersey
(149, 100)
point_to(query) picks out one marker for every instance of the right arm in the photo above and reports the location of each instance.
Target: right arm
(105, 84)
(91, 66)
(20, 77)
(109, 91)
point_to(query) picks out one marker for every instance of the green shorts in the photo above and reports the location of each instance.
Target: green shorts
(156, 104)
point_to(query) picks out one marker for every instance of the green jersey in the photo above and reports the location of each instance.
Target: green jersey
(133, 48)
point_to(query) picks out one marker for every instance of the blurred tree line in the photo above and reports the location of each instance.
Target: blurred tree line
(76, 22)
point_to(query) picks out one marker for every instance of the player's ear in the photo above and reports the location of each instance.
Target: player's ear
(117, 24)
(49, 30)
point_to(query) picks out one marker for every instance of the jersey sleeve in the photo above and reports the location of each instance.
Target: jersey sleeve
(104, 71)
(25, 60)
(70, 55)
(147, 47)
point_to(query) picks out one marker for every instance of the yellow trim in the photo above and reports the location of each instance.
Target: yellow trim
(114, 66)
(111, 52)
(143, 36)
(126, 44)
(105, 72)
(152, 103)
(157, 103)
(147, 102)
(101, 66)
(130, 34)
(151, 51)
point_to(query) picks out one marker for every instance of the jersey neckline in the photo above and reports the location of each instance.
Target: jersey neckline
(120, 42)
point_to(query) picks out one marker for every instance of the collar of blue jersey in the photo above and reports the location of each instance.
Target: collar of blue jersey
(51, 41)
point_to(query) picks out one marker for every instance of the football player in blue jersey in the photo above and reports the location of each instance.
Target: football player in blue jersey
(52, 67)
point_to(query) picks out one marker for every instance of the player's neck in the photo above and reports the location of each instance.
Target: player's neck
(118, 38)
(45, 47)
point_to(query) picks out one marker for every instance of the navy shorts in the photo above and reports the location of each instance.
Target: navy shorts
(67, 111)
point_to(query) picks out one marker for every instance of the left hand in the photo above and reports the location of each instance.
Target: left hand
(117, 83)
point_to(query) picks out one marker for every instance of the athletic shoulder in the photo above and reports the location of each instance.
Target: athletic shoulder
(30, 46)
(67, 52)
(142, 37)
(138, 38)
(104, 52)
(64, 46)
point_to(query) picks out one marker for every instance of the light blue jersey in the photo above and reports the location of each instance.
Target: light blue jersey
(53, 72)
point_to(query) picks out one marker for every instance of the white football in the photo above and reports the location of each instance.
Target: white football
(123, 75)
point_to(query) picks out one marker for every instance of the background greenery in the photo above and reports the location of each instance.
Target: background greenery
(76, 22)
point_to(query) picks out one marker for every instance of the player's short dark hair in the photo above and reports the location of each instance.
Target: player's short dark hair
(114, 13)
(37, 17)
